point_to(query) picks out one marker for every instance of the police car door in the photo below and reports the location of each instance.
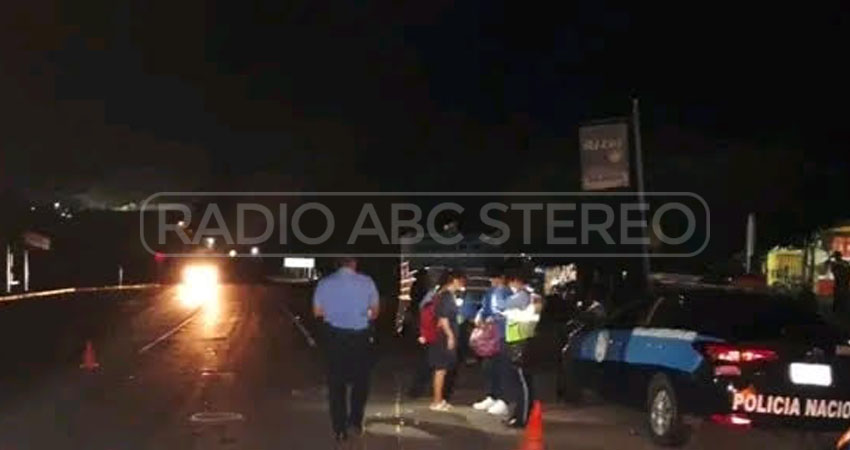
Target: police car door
(663, 344)
(606, 347)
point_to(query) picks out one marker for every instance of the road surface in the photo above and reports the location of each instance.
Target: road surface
(239, 374)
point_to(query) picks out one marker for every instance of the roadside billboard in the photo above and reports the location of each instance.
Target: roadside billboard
(604, 150)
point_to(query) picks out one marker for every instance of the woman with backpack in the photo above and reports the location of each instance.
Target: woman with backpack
(425, 315)
(441, 334)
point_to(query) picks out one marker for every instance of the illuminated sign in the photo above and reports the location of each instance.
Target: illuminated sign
(299, 263)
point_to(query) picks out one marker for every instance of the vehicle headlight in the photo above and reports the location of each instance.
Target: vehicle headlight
(199, 285)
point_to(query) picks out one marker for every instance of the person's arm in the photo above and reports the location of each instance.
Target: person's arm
(443, 323)
(375, 303)
(501, 299)
(318, 295)
(443, 317)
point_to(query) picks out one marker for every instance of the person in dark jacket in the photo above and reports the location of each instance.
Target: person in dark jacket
(841, 274)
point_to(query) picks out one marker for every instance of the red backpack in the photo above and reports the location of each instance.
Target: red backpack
(428, 321)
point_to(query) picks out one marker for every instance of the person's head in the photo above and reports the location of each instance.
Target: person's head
(347, 262)
(452, 281)
(516, 282)
(497, 279)
(836, 255)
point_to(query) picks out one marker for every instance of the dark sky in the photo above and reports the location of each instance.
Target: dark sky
(744, 104)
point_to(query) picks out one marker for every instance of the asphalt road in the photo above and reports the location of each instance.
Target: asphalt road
(239, 374)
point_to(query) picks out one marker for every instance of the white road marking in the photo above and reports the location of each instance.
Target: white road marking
(297, 322)
(71, 290)
(169, 333)
(215, 417)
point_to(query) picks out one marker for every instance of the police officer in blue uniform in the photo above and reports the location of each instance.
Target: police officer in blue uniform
(347, 301)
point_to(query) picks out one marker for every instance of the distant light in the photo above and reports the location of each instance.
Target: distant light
(56, 205)
(255, 251)
(232, 253)
(32, 208)
(210, 241)
(181, 223)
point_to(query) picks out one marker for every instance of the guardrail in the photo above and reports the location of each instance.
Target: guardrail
(71, 290)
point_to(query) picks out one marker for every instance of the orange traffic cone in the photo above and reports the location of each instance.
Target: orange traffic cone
(89, 358)
(533, 439)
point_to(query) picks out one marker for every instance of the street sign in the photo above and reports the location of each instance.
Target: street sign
(36, 240)
(604, 150)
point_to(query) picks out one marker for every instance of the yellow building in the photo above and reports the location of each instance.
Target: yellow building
(784, 266)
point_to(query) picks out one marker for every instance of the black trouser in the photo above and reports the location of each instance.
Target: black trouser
(521, 394)
(495, 371)
(519, 390)
(349, 363)
(839, 300)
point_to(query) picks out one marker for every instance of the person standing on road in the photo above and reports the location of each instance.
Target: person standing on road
(347, 301)
(494, 366)
(841, 274)
(442, 354)
(519, 313)
(422, 372)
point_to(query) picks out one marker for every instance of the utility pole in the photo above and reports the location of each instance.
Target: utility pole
(751, 242)
(9, 262)
(640, 189)
(26, 270)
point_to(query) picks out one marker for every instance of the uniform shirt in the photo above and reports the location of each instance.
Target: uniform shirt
(518, 300)
(493, 302)
(345, 296)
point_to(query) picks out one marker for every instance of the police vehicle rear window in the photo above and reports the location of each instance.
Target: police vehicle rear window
(749, 316)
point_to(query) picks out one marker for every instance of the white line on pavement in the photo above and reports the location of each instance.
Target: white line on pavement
(169, 333)
(71, 290)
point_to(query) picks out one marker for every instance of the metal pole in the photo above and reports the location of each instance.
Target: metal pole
(751, 241)
(8, 272)
(640, 187)
(26, 270)
(120, 275)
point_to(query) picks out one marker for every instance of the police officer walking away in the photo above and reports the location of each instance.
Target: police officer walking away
(347, 301)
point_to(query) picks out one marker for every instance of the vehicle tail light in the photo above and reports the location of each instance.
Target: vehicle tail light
(724, 353)
(735, 420)
(727, 370)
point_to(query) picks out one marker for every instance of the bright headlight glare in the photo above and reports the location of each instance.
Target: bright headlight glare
(199, 286)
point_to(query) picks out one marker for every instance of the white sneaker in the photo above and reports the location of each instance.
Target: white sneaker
(498, 408)
(485, 404)
(442, 406)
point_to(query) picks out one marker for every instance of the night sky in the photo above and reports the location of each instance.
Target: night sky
(744, 104)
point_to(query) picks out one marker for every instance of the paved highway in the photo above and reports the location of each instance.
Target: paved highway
(239, 374)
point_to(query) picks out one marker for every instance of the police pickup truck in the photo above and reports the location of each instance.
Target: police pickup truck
(723, 356)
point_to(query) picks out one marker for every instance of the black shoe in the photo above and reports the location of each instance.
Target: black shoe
(356, 430)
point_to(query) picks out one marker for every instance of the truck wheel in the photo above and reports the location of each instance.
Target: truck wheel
(663, 412)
